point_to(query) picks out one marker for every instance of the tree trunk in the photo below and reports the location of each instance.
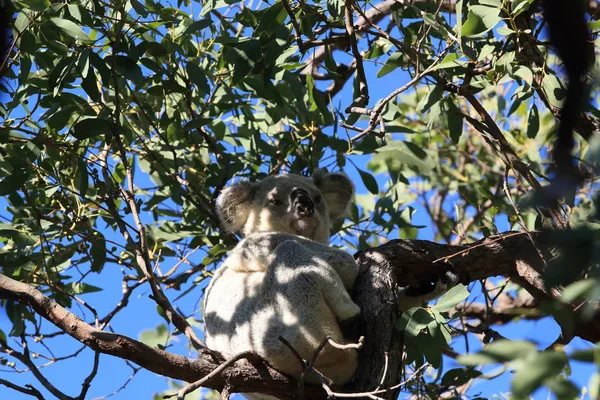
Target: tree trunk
(375, 293)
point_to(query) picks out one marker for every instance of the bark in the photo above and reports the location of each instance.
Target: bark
(382, 270)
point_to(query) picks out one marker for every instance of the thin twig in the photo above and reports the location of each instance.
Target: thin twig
(87, 382)
(375, 114)
(295, 25)
(507, 153)
(28, 389)
(363, 89)
(374, 392)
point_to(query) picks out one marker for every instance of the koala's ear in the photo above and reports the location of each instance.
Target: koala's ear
(233, 205)
(337, 189)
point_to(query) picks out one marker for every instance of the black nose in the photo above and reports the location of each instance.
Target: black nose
(302, 203)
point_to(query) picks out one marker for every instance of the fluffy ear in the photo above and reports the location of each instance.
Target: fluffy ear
(233, 205)
(337, 189)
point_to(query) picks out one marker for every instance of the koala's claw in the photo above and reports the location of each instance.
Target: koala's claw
(435, 289)
(349, 328)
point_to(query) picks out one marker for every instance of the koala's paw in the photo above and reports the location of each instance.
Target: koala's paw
(432, 290)
(414, 296)
(350, 328)
(445, 283)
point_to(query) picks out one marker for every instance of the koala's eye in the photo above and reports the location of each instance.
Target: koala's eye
(275, 202)
(318, 199)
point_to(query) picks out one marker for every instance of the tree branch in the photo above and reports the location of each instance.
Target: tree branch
(245, 377)
(29, 390)
(382, 270)
(511, 254)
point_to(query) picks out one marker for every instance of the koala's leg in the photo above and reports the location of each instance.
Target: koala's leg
(413, 296)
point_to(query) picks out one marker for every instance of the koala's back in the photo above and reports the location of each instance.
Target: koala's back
(249, 308)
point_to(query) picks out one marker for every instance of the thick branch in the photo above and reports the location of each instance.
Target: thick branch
(244, 377)
(511, 254)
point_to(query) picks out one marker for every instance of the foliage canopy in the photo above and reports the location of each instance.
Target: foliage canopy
(123, 120)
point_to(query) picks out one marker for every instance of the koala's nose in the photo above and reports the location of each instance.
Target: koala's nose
(302, 203)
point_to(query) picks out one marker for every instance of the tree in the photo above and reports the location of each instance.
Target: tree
(125, 119)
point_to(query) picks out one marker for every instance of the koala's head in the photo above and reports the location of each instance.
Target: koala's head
(286, 203)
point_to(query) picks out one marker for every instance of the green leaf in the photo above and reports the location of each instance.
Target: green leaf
(198, 76)
(562, 388)
(450, 61)
(400, 153)
(587, 355)
(459, 21)
(415, 320)
(155, 338)
(578, 290)
(534, 370)
(197, 123)
(243, 56)
(432, 97)
(554, 90)
(455, 121)
(196, 26)
(393, 61)
(100, 65)
(213, 4)
(335, 8)
(505, 31)
(451, 298)
(432, 352)
(82, 178)
(518, 6)
(60, 72)
(38, 5)
(369, 181)
(70, 29)
(459, 376)
(491, 3)
(14, 182)
(14, 311)
(98, 252)
(81, 288)
(480, 20)
(271, 20)
(90, 85)
(92, 127)
(139, 8)
(498, 352)
(533, 122)
(593, 25)
(524, 73)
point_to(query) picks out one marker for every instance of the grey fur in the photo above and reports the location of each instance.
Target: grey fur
(283, 279)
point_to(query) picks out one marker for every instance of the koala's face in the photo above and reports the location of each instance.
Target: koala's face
(286, 203)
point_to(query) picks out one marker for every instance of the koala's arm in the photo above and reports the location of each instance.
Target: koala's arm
(345, 266)
(263, 245)
(342, 262)
(412, 296)
(320, 272)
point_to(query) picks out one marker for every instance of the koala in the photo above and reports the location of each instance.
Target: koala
(283, 279)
